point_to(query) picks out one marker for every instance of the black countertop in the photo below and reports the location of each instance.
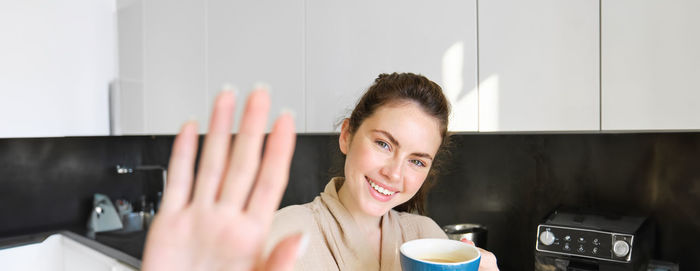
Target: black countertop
(130, 243)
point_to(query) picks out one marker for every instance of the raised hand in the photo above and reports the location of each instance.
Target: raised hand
(220, 221)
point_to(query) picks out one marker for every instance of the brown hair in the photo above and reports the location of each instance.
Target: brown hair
(397, 87)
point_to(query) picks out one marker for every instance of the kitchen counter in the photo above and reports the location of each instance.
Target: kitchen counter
(130, 243)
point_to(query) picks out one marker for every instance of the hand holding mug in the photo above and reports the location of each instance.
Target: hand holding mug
(488, 260)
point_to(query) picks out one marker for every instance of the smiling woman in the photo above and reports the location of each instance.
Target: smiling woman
(413, 100)
(390, 142)
(392, 150)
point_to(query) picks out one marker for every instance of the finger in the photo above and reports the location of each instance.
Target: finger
(286, 252)
(245, 157)
(215, 150)
(274, 171)
(465, 240)
(180, 168)
(488, 260)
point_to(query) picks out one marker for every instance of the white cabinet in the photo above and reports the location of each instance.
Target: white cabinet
(174, 65)
(251, 41)
(650, 65)
(349, 43)
(317, 56)
(538, 65)
(176, 56)
(65, 251)
(127, 100)
(162, 66)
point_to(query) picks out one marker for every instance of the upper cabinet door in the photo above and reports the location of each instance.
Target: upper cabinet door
(253, 42)
(127, 96)
(173, 65)
(539, 65)
(349, 43)
(650, 65)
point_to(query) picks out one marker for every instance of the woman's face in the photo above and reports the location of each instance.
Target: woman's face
(389, 156)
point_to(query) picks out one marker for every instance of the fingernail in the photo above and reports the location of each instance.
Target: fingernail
(303, 245)
(182, 127)
(288, 111)
(261, 86)
(229, 87)
(188, 124)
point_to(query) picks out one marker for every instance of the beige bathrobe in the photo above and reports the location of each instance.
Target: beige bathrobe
(337, 243)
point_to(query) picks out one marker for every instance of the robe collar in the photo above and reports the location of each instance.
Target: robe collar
(353, 239)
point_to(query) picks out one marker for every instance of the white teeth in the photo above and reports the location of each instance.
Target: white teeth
(380, 189)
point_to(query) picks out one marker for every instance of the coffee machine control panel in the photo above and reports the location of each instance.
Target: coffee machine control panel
(608, 246)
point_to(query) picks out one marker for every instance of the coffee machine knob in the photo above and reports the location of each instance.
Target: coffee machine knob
(621, 248)
(547, 238)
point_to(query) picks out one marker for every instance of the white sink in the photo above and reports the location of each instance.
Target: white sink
(59, 252)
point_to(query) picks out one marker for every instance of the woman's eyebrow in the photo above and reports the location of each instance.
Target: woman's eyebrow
(388, 135)
(424, 155)
(395, 142)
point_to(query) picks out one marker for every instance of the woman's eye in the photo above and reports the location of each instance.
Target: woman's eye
(418, 163)
(382, 144)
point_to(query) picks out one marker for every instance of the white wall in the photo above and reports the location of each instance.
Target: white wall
(56, 61)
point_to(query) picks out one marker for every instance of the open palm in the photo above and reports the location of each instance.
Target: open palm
(220, 221)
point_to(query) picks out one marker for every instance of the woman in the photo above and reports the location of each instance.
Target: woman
(218, 219)
(390, 143)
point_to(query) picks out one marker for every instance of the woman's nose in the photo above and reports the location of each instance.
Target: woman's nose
(392, 169)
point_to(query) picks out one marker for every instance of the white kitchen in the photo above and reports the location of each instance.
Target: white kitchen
(582, 107)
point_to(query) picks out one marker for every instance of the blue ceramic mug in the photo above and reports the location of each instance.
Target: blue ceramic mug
(439, 254)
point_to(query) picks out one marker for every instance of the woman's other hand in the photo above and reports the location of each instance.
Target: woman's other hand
(488, 260)
(218, 220)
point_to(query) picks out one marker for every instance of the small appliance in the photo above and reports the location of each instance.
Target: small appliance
(103, 216)
(582, 240)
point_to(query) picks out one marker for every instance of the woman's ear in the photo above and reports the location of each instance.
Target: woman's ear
(345, 137)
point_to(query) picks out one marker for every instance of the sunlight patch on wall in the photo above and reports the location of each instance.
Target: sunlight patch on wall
(464, 103)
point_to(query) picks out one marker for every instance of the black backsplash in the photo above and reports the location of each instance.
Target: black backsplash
(506, 182)
(48, 183)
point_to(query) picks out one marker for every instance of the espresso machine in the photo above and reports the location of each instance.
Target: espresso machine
(576, 240)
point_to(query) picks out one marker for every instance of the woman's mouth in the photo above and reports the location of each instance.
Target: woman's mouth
(379, 192)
